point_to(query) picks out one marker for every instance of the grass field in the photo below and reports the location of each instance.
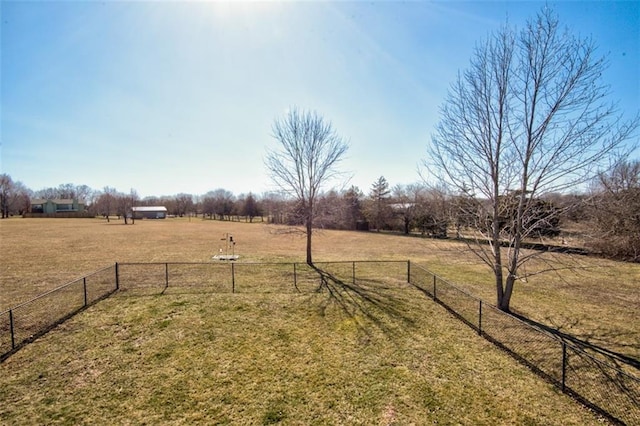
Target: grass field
(265, 359)
(596, 300)
(299, 359)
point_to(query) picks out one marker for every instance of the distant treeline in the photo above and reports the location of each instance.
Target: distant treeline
(608, 214)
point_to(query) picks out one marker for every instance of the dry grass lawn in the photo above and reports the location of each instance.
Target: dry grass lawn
(382, 355)
(595, 299)
(392, 357)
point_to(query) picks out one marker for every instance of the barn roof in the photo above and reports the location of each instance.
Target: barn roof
(149, 209)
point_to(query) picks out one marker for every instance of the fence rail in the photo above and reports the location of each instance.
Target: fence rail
(233, 277)
(27, 321)
(597, 382)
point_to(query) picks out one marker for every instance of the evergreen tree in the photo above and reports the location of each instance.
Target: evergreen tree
(379, 209)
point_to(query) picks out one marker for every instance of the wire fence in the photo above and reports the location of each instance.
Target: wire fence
(597, 381)
(232, 277)
(26, 322)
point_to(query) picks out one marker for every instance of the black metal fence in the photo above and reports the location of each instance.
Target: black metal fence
(232, 277)
(595, 380)
(24, 323)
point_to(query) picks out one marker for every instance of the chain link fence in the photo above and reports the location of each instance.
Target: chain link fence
(232, 277)
(223, 277)
(26, 322)
(596, 380)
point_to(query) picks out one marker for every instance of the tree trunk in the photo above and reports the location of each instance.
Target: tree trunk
(499, 285)
(309, 229)
(504, 304)
(497, 259)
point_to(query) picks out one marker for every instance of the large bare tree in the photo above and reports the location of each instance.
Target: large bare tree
(309, 153)
(528, 117)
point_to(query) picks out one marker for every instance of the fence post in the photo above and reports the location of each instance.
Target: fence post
(564, 365)
(233, 278)
(166, 275)
(13, 334)
(409, 271)
(434, 288)
(295, 277)
(353, 272)
(84, 286)
(117, 277)
(480, 319)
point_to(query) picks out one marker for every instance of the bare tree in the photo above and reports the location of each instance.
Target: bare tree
(208, 204)
(7, 188)
(222, 202)
(339, 209)
(106, 202)
(125, 204)
(47, 193)
(407, 203)
(528, 117)
(67, 191)
(83, 193)
(183, 204)
(310, 152)
(615, 212)
(329, 210)
(15, 197)
(21, 201)
(250, 207)
(275, 205)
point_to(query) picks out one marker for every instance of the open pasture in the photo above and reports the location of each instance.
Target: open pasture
(198, 357)
(371, 354)
(594, 299)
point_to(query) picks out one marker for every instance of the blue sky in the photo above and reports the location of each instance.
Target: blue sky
(170, 97)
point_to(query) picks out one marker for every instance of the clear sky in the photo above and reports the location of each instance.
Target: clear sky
(170, 97)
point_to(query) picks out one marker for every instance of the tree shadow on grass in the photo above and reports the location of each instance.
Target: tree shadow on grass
(600, 378)
(368, 299)
(588, 341)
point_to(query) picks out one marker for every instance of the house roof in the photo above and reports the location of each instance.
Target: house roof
(149, 209)
(54, 200)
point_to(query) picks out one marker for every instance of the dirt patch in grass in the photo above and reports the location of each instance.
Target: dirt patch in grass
(373, 354)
